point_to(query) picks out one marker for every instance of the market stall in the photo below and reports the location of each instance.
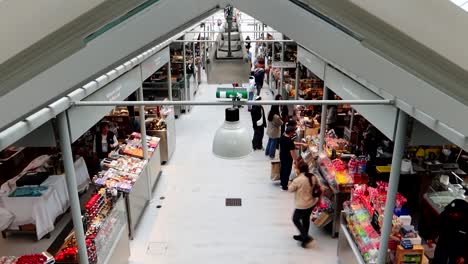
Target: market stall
(156, 86)
(135, 166)
(160, 122)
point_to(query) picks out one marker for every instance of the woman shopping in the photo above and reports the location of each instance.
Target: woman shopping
(273, 131)
(307, 194)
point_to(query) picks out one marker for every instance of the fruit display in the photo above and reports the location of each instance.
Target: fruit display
(336, 173)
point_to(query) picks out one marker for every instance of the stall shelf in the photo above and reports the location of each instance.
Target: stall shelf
(158, 91)
(339, 190)
(338, 197)
(106, 235)
(115, 246)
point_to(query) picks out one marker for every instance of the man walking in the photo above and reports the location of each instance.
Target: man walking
(259, 74)
(259, 124)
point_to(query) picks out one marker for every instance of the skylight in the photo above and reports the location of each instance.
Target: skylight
(461, 3)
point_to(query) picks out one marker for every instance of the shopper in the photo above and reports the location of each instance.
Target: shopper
(284, 112)
(287, 155)
(259, 124)
(259, 74)
(304, 187)
(104, 141)
(247, 43)
(273, 130)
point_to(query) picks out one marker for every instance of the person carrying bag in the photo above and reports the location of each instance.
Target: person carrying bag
(307, 194)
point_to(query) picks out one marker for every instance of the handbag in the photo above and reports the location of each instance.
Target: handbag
(316, 191)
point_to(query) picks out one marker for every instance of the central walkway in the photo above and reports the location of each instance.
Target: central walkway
(194, 226)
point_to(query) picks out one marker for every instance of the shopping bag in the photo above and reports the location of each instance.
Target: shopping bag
(275, 170)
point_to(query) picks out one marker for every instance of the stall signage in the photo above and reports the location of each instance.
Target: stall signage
(114, 94)
(383, 117)
(311, 62)
(83, 118)
(154, 63)
(284, 64)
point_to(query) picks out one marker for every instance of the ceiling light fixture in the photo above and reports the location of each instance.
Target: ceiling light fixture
(232, 141)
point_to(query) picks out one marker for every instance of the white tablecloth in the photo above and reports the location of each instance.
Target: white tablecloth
(43, 210)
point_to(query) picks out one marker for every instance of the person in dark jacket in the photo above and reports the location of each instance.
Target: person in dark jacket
(259, 75)
(104, 141)
(259, 123)
(287, 155)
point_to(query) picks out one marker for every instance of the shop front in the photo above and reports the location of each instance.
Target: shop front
(376, 159)
(113, 178)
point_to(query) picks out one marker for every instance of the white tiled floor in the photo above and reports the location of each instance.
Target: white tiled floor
(194, 226)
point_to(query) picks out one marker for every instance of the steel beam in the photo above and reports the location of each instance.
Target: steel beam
(227, 102)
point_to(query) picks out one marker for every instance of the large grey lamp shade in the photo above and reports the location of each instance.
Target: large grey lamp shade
(232, 141)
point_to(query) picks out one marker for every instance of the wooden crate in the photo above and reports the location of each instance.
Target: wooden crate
(408, 255)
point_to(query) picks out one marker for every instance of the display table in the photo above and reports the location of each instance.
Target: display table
(348, 252)
(132, 176)
(168, 137)
(42, 211)
(338, 195)
(139, 197)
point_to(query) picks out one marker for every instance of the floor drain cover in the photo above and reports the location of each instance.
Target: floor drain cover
(233, 202)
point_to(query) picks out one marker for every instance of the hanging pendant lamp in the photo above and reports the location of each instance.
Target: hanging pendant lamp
(232, 141)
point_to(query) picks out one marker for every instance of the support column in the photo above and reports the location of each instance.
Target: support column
(398, 150)
(255, 29)
(323, 120)
(351, 120)
(229, 21)
(296, 85)
(144, 144)
(72, 188)
(195, 67)
(169, 79)
(272, 61)
(263, 31)
(282, 71)
(185, 79)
